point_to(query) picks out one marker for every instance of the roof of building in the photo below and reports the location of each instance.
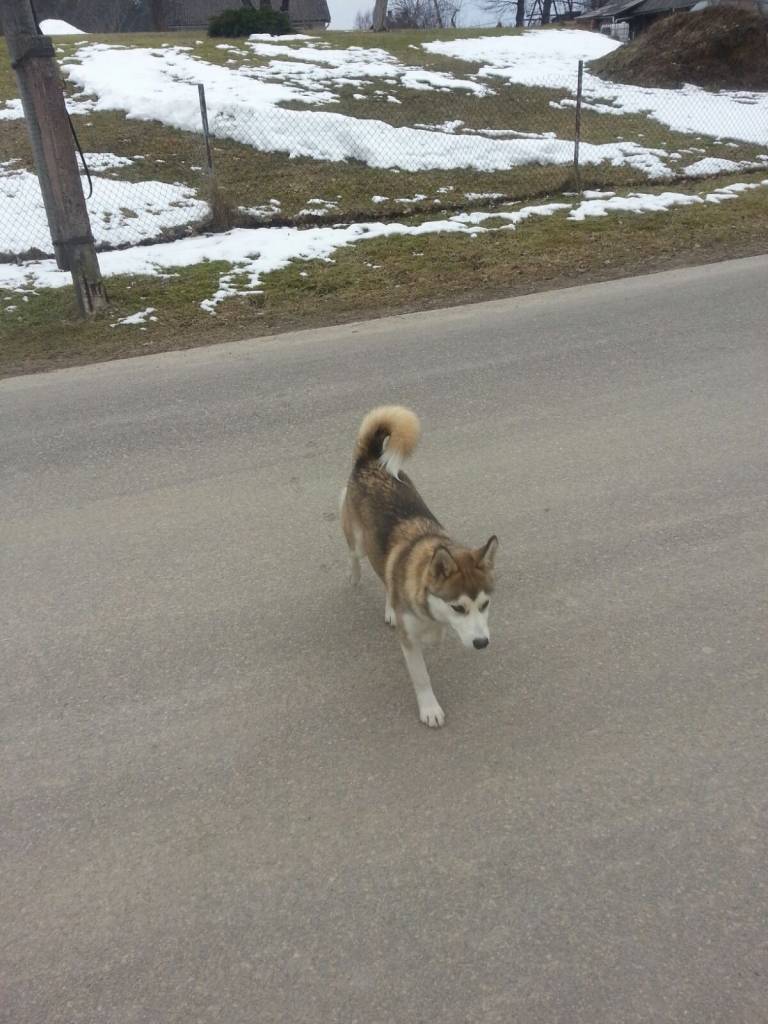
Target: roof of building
(610, 10)
(633, 8)
(661, 6)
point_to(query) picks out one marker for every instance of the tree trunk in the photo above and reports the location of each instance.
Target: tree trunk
(157, 15)
(380, 16)
(546, 9)
(520, 14)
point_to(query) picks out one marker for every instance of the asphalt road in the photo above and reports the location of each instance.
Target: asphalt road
(218, 804)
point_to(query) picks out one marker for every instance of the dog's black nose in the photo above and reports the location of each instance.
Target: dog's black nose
(481, 642)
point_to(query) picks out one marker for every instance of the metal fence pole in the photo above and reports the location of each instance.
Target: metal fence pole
(577, 139)
(204, 118)
(222, 215)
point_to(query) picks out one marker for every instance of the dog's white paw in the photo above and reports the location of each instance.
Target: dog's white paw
(432, 715)
(354, 572)
(389, 616)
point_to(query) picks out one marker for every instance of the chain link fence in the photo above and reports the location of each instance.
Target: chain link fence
(133, 196)
(380, 155)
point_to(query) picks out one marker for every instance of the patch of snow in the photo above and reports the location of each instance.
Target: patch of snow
(136, 318)
(535, 57)
(121, 213)
(310, 65)
(475, 196)
(54, 27)
(710, 165)
(500, 133)
(294, 37)
(732, 191)
(446, 126)
(637, 202)
(12, 111)
(513, 217)
(106, 161)
(318, 207)
(542, 57)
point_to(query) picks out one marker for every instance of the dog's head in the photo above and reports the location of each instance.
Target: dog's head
(459, 588)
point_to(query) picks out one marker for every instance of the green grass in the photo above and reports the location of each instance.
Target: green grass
(378, 277)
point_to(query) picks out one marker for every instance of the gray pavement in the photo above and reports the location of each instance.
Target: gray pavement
(218, 804)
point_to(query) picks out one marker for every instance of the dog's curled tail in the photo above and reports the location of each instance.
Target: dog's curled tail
(389, 434)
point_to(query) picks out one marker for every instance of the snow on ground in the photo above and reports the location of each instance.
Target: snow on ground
(11, 111)
(158, 85)
(53, 27)
(546, 57)
(535, 57)
(254, 252)
(711, 165)
(136, 318)
(313, 67)
(105, 161)
(637, 202)
(122, 212)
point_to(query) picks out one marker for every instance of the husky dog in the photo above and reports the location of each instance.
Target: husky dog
(431, 581)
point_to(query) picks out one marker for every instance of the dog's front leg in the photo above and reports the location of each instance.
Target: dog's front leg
(430, 712)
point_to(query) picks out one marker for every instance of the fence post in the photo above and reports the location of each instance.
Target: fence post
(222, 216)
(577, 139)
(206, 134)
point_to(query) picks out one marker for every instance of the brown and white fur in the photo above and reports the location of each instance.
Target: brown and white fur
(432, 583)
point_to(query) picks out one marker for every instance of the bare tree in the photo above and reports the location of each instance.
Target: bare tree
(424, 13)
(504, 8)
(453, 10)
(364, 20)
(158, 15)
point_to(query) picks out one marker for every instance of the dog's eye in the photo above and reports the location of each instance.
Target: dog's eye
(459, 609)
(484, 605)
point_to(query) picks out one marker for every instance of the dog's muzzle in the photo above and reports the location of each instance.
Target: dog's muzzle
(480, 642)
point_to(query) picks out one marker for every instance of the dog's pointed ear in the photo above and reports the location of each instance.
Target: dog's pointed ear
(443, 563)
(486, 555)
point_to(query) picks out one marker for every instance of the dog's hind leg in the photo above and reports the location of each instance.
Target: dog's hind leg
(389, 613)
(354, 541)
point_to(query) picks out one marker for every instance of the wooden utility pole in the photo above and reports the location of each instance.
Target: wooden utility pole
(42, 97)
